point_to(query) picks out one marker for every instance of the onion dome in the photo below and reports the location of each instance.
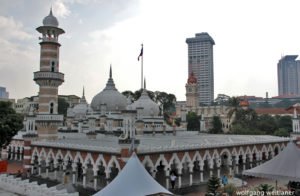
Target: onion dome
(110, 96)
(82, 108)
(192, 79)
(50, 20)
(150, 108)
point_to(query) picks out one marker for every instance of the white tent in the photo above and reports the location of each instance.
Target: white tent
(284, 166)
(133, 180)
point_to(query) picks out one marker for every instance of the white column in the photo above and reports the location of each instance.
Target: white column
(84, 176)
(236, 164)
(201, 164)
(74, 167)
(47, 168)
(218, 161)
(179, 177)
(20, 155)
(191, 166)
(95, 172)
(167, 174)
(107, 175)
(40, 166)
(211, 167)
(55, 170)
(153, 173)
(244, 162)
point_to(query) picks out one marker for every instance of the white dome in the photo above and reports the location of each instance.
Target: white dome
(50, 20)
(110, 96)
(150, 108)
(81, 108)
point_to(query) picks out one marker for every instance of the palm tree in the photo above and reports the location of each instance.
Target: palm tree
(234, 105)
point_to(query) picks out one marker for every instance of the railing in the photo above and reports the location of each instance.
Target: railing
(49, 117)
(48, 75)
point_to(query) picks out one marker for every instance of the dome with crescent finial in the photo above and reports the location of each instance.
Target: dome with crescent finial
(192, 79)
(50, 20)
(110, 96)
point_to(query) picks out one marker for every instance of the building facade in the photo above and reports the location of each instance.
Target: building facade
(288, 70)
(200, 62)
(3, 93)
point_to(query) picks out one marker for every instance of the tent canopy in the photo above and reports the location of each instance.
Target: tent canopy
(284, 166)
(133, 180)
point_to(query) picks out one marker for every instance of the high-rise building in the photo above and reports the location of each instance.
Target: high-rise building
(3, 93)
(200, 61)
(288, 70)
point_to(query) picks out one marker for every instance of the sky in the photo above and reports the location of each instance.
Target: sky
(250, 36)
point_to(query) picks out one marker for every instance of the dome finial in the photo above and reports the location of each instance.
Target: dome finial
(51, 11)
(110, 72)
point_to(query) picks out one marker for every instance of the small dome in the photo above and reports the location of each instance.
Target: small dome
(192, 79)
(50, 20)
(150, 108)
(110, 96)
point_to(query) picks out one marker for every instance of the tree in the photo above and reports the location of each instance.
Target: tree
(213, 185)
(216, 125)
(10, 123)
(193, 123)
(267, 124)
(281, 132)
(62, 106)
(234, 106)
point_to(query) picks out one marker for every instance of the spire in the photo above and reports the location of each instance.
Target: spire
(145, 83)
(51, 11)
(110, 72)
(83, 100)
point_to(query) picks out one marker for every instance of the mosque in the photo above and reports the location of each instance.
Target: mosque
(92, 143)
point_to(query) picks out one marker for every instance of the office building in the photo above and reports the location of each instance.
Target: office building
(201, 64)
(288, 70)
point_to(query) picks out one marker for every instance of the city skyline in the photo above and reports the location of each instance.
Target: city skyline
(249, 41)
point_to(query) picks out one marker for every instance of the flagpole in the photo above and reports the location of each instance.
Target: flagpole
(142, 62)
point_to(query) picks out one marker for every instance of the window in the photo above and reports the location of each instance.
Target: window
(51, 108)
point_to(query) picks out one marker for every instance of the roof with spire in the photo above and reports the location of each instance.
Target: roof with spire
(50, 20)
(110, 96)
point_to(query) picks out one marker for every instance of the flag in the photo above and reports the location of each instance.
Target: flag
(141, 54)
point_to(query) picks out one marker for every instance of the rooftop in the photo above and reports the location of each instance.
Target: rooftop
(157, 143)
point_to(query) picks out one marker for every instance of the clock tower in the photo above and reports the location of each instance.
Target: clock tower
(191, 93)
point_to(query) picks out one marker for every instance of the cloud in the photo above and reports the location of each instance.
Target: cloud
(61, 9)
(11, 29)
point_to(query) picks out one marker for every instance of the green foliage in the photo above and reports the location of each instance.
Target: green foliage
(281, 132)
(213, 185)
(267, 124)
(10, 123)
(62, 106)
(265, 188)
(284, 122)
(193, 123)
(230, 189)
(167, 101)
(216, 125)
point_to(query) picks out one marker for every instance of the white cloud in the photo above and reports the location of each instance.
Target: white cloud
(11, 29)
(61, 9)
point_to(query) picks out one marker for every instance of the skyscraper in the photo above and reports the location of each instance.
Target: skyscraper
(288, 70)
(200, 61)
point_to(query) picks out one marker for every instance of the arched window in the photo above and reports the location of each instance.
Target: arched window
(52, 66)
(51, 108)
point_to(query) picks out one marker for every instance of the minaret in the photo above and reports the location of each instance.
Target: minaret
(49, 78)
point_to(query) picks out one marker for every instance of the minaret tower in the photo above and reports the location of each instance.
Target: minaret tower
(49, 78)
(191, 93)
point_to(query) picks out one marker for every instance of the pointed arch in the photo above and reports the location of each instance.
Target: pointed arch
(89, 158)
(186, 158)
(225, 150)
(50, 154)
(207, 155)
(112, 160)
(215, 154)
(68, 156)
(148, 162)
(101, 159)
(248, 151)
(161, 159)
(173, 159)
(43, 154)
(78, 158)
(59, 155)
(197, 156)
